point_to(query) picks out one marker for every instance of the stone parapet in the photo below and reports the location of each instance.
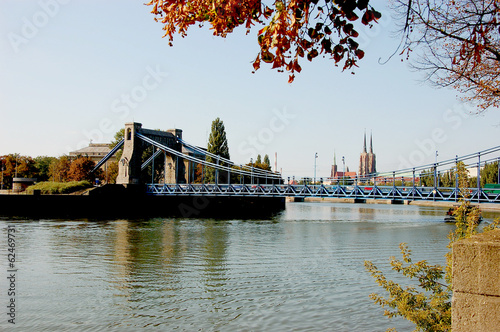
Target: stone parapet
(476, 283)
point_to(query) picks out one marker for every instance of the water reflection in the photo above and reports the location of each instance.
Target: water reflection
(301, 270)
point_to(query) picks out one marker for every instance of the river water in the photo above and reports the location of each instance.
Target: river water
(300, 271)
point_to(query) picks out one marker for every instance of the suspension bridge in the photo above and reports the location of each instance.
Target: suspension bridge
(178, 168)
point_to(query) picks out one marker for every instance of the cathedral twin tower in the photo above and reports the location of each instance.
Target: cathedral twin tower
(367, 164)
(367, 160)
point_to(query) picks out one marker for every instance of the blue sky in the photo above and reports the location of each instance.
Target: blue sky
(71, 71)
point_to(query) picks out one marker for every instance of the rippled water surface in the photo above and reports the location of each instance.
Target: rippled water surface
(301, 271)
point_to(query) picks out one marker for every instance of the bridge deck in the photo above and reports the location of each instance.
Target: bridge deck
(355, 191)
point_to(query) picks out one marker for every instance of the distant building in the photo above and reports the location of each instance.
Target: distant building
(367, 162)
(95, 152)
(335, 175)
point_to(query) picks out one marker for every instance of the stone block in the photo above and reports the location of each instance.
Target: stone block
(476, 283)
(478, 313)
(476, 264)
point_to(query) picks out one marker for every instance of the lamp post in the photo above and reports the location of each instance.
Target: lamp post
(435, 171)
(343, 173)
(16, 164)
(251, 171)
(1, 185)
(315, 157)
(498, 171)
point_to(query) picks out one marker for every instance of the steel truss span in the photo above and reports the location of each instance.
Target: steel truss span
(381, 185)
(335, 191)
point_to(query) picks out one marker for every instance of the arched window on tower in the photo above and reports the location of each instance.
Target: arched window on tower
(129, 134)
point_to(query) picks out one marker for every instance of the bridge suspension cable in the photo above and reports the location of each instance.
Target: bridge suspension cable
(206, 153)
(452, 161)
(109, 155)
(201, 161)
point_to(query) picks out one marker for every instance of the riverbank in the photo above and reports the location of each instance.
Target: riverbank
(116, 201)
(482, 206)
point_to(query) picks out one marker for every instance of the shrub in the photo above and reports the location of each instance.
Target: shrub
(51, 188)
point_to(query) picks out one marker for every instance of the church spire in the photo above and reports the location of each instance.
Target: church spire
(371, 145)
(334, 159)
(364, 145)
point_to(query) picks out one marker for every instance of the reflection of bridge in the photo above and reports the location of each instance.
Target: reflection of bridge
(175, 176)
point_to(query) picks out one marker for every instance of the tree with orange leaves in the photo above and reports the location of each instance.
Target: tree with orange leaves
(458, 44)
(81, 169)
(292, 29)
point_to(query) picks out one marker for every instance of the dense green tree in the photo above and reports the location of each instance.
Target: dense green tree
(267, 162)
(217, 145)
(42, 164)
(427, 178)
(489, 173)
(119, 135)
(258, 163)
(472, 182)
(447, 178)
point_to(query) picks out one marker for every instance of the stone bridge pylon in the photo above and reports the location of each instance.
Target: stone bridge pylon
(130, 164)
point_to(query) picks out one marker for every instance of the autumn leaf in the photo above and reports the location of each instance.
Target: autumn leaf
(256, 63)
(286, 29)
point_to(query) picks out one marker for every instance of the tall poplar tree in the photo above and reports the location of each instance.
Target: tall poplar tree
(267, 162)
(217, 144)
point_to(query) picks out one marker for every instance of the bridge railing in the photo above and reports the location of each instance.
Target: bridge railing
(337, 191)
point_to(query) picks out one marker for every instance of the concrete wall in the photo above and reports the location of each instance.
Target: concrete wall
(476, 283)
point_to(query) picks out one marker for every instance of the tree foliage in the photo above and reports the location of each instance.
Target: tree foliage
(217, 145)
(265, 165)
(80, 170)
(59, 168)
(51, 188)
(119, 135)
(427, 178)
(267, 162)
(447, 178)
(489, 173)
(458, 43)
(42, 164)
(45, 168)
(13, 165)
(291, 29)
(428, 303)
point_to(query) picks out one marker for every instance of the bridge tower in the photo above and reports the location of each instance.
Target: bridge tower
(175, 167)
(129, 166)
